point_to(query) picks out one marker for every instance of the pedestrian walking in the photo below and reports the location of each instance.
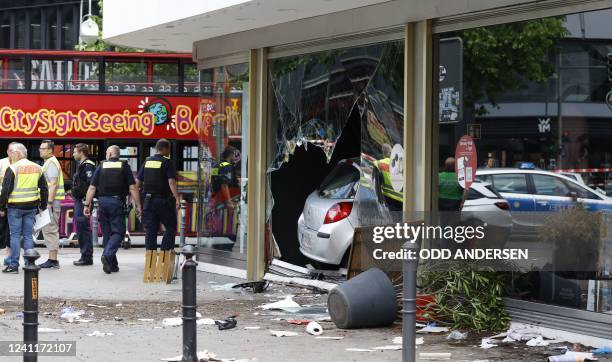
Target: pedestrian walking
(80, 184)
(55, 183)
(161, 201)
(24, 191)
(112, 181)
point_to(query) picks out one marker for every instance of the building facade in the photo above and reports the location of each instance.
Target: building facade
(294, 90)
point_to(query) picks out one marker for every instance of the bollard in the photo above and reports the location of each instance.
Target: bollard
(94, 223)
(409, 276)
(30, 304)
(182, 225)
(189, 305)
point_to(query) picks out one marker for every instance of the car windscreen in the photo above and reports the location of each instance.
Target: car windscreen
(341, 183)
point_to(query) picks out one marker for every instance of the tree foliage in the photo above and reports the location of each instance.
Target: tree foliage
(505, 57)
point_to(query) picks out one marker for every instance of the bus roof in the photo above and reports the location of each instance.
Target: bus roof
(85, 54)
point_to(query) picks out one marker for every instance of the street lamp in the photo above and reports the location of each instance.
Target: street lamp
(89, 28)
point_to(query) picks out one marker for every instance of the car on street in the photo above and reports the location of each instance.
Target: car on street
(532, 194)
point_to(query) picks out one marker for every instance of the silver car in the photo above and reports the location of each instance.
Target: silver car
(326, 225)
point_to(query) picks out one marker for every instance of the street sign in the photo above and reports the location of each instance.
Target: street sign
(466, 161)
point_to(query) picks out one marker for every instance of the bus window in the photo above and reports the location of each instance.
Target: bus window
(14, 77)
(87, 72)
(126, 76)
(191, 79)
(130, 154)
(51, 74)
(190, 158)
(165, 77)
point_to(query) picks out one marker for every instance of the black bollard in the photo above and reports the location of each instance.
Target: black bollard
(189, 305)
(409, 288)
(183, 224)
(30, 304)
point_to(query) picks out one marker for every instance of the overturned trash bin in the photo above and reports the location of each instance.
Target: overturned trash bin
(367, 300)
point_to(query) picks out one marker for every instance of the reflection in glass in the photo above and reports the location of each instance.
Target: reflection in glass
(222, 175)
(534, 96)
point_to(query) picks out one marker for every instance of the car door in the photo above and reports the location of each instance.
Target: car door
(551, 194)
(591, 200)
(514, 188)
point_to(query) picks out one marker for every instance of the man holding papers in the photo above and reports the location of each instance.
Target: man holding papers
(24, 192)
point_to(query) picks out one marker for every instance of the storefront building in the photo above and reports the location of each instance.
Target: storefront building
(288, 92)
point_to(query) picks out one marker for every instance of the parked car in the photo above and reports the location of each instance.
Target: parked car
(326, 225)
(532, 193)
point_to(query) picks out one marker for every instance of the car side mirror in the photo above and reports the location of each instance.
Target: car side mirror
(573, 195)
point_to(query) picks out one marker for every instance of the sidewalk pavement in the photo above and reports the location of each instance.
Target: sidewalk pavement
(133, 312)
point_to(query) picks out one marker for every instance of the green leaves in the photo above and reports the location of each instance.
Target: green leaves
(505, 57)
(466, 299)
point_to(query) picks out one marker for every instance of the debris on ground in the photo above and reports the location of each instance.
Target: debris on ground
(172, 322)
(457, 336)
(334, 338)
(283, 333)
(202, 356)
(252, 327)
(146, 319)
(227, 323)
(314, 329)
(49, 330)
(71, 315)
(96, 306)
(360, 350)
(521, 334)
(538, 342)
(299, 322)
(487, 343)
(118, 319)
(302, 282)
(400, 340)
(222, 287)
(603, 350)
(433, 329)
(435, 355)
(571, 356)
(394, 347)
(286, 304)
(205, 321)
(99, 334)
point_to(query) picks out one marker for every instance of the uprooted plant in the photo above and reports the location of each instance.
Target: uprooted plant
(464, 297)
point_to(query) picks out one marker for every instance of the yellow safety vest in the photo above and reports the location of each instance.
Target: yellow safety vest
(60, 194)
(4, 165)
(25, 188)
(387, 188)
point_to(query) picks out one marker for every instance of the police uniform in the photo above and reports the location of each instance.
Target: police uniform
(112, 180)
(393, 198)
(159, 203)
(80, 182)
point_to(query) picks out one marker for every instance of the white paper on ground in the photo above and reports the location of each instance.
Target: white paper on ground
(252, 328)
(49, 330)
(360, 350)
(41, 220)
(335, 338)
(283, 333)
(172, 322)
(99, 334)
(393, 347)
(205, 321)
(400, 340)
(286, 304)
(486, 343)
(431, 329)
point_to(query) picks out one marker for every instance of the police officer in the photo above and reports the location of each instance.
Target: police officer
(80, 183)
(4, 227)
(157, 179)
(112, 182)
(226, 191)
(382, 176)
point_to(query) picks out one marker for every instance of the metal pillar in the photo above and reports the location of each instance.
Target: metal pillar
(30, 304)
(182, 224)
(409, 276)
(189, 305)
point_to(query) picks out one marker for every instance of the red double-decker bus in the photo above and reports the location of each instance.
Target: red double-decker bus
(102, 98)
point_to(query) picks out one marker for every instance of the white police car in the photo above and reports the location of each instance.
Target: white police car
(531, 193)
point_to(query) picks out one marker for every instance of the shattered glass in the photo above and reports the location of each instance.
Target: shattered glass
(313, 95)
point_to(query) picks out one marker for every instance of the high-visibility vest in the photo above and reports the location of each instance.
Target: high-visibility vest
(387, 188)
(60, 194)
(4, 165)
(25, 188)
